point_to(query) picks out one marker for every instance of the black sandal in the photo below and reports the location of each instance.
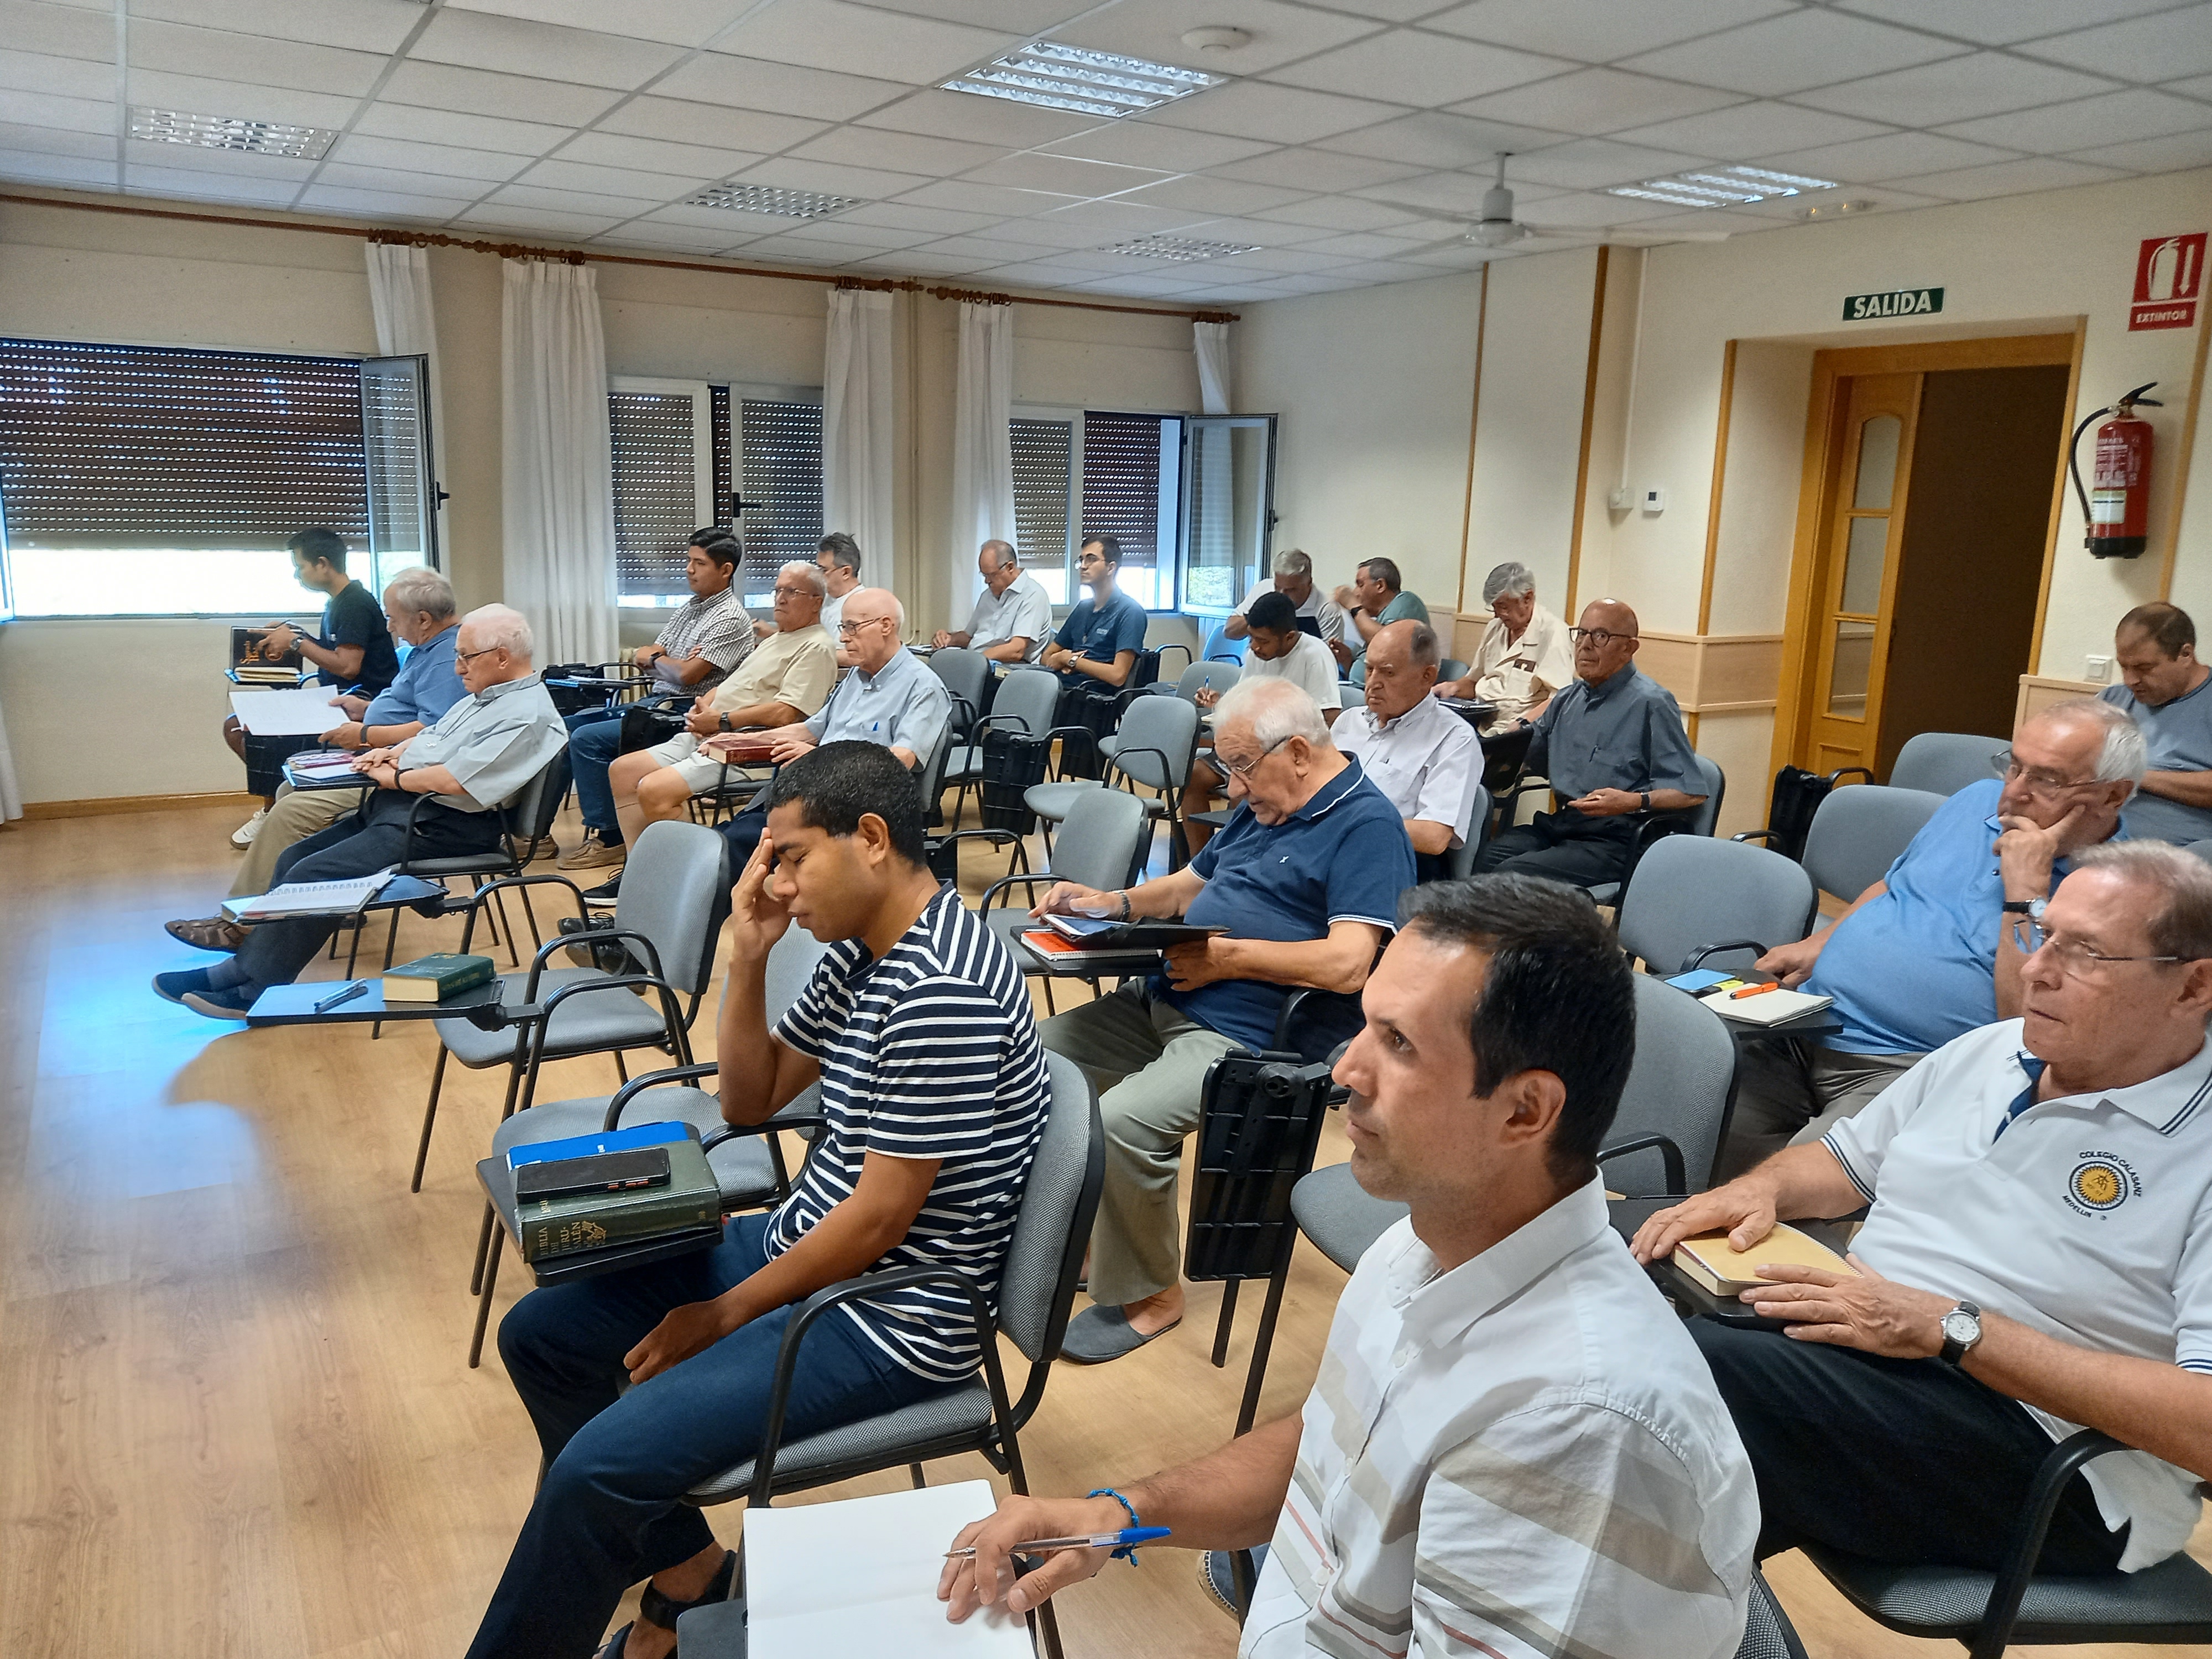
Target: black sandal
(655, 1608)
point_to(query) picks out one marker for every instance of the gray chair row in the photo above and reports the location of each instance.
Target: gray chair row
(1944, 763)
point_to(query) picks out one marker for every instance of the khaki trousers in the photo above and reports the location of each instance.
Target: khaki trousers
(1790, 1091)
(297, 815)
(1148, 1060)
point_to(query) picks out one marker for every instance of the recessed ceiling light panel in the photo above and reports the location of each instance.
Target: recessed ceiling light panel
(1180, 248)
(168, 126)
(1720, 186)
(1101, 83)
(766, 198)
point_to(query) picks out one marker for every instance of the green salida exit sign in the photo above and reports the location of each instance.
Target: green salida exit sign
(1897, 302)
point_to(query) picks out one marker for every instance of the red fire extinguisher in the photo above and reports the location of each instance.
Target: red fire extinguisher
(2116, 504)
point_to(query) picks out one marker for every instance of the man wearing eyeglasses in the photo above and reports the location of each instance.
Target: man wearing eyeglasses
(1613, 747)
(2036, 1260)
(1013, 613)
(1098, 645)
(1923, 956)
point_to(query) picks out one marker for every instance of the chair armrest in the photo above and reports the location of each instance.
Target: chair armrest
(1115, 763)
(774, 1123)
(1697, 957)
(1188, 657)
(671, 1014)
(1027, 878)
(476, 901)
(1670, 1157)
(1757, 834)
(637, 1085)
(2060, 1465)
(1866, 772)
(596, 936)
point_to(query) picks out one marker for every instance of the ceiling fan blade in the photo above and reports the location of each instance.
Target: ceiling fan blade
(1437, 214)
(1614, 233)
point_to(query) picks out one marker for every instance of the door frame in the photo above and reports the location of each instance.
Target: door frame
(1796, 695)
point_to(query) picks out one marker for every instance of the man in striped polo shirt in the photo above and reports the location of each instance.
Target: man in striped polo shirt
(918, 1028)
(1513, 1446)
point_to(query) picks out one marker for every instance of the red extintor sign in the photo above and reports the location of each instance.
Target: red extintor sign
(2169, 278)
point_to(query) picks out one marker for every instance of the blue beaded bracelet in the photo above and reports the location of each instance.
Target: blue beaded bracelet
(1127, 1552)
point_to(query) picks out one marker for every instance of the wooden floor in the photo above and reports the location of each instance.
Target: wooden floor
(235, 1419)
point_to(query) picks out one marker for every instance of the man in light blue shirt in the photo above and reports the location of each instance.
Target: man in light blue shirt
(1923, 955)
(2163, 690)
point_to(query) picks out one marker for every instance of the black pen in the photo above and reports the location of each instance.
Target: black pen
(358, 988)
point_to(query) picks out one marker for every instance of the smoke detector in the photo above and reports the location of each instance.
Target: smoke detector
(1215, 38)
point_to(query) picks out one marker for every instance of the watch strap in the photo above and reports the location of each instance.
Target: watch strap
(2019, 906)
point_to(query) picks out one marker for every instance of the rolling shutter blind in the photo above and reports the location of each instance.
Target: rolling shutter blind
(148, 446)
(656, 489)
(1043, 452)
(779, 480)
(1121, 483)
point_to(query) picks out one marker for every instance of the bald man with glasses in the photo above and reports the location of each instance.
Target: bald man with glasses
(1923, 956)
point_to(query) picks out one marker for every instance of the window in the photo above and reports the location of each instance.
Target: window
(779, 486)
(1093, 472)
(1044, 475)
(152, 481)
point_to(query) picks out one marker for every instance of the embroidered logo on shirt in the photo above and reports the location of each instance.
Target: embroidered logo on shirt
(2101, 1183)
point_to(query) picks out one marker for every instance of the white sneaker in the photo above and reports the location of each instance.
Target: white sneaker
(244, 834)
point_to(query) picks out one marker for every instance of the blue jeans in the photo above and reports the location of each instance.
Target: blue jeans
(594, 740)
(609, 1512)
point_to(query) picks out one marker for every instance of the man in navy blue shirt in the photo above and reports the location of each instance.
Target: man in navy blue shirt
(1099, 642)
(1305, 879)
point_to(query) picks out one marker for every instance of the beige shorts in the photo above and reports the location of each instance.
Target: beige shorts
(701, 773)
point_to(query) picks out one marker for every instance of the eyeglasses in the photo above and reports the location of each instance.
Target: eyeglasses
(460, 657)
(1598, 636)
(2009, 766)
(1089, 558)
(783, 592)
(845, 631)
(2074, 958)
(1243, 769)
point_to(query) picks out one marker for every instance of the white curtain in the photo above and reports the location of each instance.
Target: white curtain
(557, 507)
(856, 426)
(1211, 342)
(399, 294)
(982, 446)
(12, 797)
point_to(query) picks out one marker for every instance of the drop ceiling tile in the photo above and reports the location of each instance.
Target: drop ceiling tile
(1451, 193)
(1342, 213)
(734, 225)
(1014, 16)
(1598, 30)
(925, 261)
(1799, 49)
(364, 25)
(1596, 101)
(1886, 198)
(846, 233)
(1138, 143)
(459, 128)
(561, 174)
(1316, 169)
(896, 152)
(1747, 131)
(2157, 48)
(481, 91)
(1037, 274)
(995, 249)
(1267, 232)
(1141, 288)
(1594, 163)
(1094, 224)
(1707, 224)
(1594, 209)
(1282, 115)
(1100, 262)
(66, 77)
(1196, 193)
(680, 23)
(1362, 246)
(57, 31)
(401, 155)
(1239, 294)
(681, 238)
(832, 35)
(180, 49)
(40, 109)
(2011, 179)
(202, 184)
(995, 200)
(801, 248)
(680, 121)
(1063, 175)
(577, 203)
(2201, 87)
(864, 183)
(1290, 259)
(1893, 155)
(1376, 270)
(900, 215)
(1407, 66)
(615, 149)
(2000, 22)
(511, 45)
(1434, 139)
(56, 140)
(1956, 89)
(2113, 117)
(43, 167)
(492, 215)
(197, 94)
(456, 193)
(2183, 150)
(718, 77)
(1153, 29)
(327, 197)
(977, 120)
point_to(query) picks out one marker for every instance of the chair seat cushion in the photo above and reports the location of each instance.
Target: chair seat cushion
(1333, 1210)
(2169, 1602)
(962, 1411)
(1057, 800)
(741, 1166)
(717, 1630)
(963, 765)
(581, 1025)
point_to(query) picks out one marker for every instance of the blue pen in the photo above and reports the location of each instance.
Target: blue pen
(1127, 1538)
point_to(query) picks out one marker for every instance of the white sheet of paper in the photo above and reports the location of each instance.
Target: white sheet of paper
(859, 1577)
(307, 712)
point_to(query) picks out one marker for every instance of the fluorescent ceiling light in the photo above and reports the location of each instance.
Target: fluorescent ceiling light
(1718, 187)
(1180, 247)
(1100, 83)
(168, 126)
(766, 198)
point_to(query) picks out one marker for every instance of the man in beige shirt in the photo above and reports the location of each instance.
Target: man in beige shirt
(1524, 658)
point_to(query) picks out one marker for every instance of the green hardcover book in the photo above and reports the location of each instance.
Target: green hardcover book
(590, 1221)
(434, 978)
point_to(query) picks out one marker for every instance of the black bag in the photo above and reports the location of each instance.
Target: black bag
(1094, 716)
(646, 724)
(1012, 762)
(265, 757)
(575, 699)
(1797, 796)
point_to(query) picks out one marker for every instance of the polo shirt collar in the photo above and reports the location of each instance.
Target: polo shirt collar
(504, 687)
(1437, 1308)
(2165, 1103)
(1413, 715)
(1332, 791)
(886, 671)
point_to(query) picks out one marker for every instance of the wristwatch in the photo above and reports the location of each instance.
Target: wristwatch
(2032, 908)
(725, 722)
(1962, 1329)
(1647, 800)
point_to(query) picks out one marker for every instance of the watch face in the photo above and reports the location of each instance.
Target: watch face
(1961, 1326)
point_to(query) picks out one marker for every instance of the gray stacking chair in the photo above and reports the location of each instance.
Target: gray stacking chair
(1857, 832)
(1025, 701)
(1944, 763)
(1460, 861)
(1036, 1293)
(1099, 846)
(1451, 668)
(1692, 897)
(1698, 821)
(1206, 675)
(964, 673)
(1153, 746)
(674, 892)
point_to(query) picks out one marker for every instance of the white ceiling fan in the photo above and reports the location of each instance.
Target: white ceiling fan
(1496, 227)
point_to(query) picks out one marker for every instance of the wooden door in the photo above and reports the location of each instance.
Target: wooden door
(1855, 585)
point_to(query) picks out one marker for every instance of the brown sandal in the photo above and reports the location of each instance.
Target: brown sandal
(207, 933)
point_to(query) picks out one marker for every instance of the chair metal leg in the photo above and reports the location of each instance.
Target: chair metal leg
(1228, 1318)
(483, 1303)
(484, 1247)
(621, 1070)
(1262, 1343)
(536, 942)
(1049, 1006)
(429, 1117)
(498, 903)
(914, 1470)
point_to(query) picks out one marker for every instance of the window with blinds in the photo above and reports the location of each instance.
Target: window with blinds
(778, 488)
(655, 444)
(1132, 472)
(1044, 452)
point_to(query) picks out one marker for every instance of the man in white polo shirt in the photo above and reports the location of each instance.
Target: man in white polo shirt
(1012, 620)
(1514, 1447)
(2037, 1258)
(1423, 756)
(1280, 651)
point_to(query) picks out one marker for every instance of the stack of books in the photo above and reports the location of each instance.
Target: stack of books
(649, 1182)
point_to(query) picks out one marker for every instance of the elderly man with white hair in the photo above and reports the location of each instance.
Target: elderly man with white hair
(1524, 658)
(1928, 953)
(1293, 577)
(1304, 880)
(475, 758)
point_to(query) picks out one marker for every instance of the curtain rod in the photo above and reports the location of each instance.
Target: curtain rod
(576, 257)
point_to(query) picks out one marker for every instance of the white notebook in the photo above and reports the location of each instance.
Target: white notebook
(305, 712)
(309, 898)
(859, 1577)
(1767, 1008)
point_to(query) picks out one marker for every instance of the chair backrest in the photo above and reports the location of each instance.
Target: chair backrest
(1707, 813)
(1220, 647)
(1858, 832)
(1060, 1200)
(1098, 840)
(674, 891)
(1166, 724)
(964, 672)
(1451, 668)
(532, 813)
(1767, 1631)
(790, 965)
(1203, 676)
(932, 775)
(1460, 861)
(1682, 1086)
(1504, 755)
(1944, 763)
(1027, 695)
(1691, 891)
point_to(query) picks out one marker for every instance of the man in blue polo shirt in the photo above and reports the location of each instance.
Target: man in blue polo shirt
(1305, 881)
(2163, 692)
(1099, 642)
(1923, 955)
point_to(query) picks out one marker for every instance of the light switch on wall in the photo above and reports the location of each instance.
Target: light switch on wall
(2099, 669)
(1655, 500)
